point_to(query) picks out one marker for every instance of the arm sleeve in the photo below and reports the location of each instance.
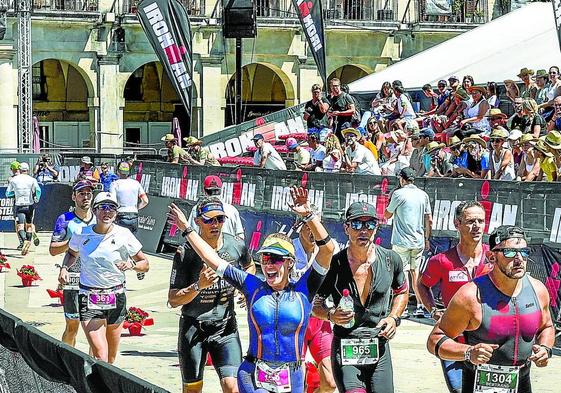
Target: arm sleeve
(60, 230)
(432, 273)
(399, 283)
(37, 195)
(328, 284)
(239, 279)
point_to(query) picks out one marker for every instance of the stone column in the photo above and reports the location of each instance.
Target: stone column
(109, 138)
(212, 92)
(8, 99)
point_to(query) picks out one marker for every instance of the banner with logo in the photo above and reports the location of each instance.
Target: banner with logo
(167, 27)
(311, 17)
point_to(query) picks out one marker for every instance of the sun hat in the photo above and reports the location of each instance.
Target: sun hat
(432, 146)
(525, 71)
(496, 112)
(274, 244)
(527, 138)
(454, 141)
(542, 74)
(352, 131)
(168, 138)
(499, 132)
(291, 143)
(541, 147)
(553, 139)
(191, 141)
(481, 89)
(476, 139)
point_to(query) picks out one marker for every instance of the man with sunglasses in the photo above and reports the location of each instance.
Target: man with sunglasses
(371, 274)
(66, 225)
(315, 110)
(505, 319)
(412, 221)
(420, 140)
(454, 268)
(357, 158)
(208, 320)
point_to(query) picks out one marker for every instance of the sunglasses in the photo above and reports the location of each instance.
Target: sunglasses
(107, 208)
(213, 220)
(511, 252)
(357, 225)
(495, 140)
(272, 259)
(415, 138)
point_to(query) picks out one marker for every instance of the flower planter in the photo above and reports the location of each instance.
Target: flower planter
(58, 294)
(135, 329)
(28, 274)
(26, 282)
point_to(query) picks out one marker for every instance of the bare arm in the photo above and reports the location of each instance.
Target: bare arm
(143, 201)
(57, 248)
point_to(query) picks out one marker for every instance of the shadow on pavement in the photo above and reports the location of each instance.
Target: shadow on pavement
(161, 354)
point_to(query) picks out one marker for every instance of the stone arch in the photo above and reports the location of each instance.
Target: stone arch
(83, 66)
(265, 88)
(350, 73)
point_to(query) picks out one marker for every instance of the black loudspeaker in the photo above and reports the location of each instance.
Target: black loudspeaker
(238, 19)
(2, 25)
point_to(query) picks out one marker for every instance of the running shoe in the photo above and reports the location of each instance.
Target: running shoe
(419, 312)
(25, 248)
(405, 314)
(19, 247)
(35, 239)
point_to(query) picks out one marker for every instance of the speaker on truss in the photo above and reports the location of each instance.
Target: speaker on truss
(238, 19)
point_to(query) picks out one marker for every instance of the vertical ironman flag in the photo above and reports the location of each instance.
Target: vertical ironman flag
(311, 16)
(167, 27)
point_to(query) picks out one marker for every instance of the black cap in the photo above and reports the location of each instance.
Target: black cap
(257, 137)
(408, 174)
(360, 209)
(505, 232)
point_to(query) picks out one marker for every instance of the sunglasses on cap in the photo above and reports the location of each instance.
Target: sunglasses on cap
(272, 259)
(511, 252)
(107, 207)
(357, 225)
(217, 219)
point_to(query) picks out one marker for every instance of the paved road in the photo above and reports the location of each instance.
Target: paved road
(153, 356)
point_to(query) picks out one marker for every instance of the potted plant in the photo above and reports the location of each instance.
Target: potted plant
(136, 319)
(3, 262)
(28, 274)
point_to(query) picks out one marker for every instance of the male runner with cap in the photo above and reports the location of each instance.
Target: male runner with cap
(212, 186)
(504, 316)
(26, 191)
(454, 268)
(412, 221)
(360, 354)
(208, 320)
(66, 225)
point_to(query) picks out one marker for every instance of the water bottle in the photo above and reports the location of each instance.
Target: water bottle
(346, 304)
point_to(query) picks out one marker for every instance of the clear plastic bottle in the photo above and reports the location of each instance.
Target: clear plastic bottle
(346, 304)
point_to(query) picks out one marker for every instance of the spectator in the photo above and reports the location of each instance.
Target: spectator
(501, 162)
(541, 81)
(404, 110)
(45, 170)
(478, 157)
(554, 89)
(493, 95)
(398, 152)
(302, 156)
(458, 154)
(376, 136)
(512, 91)
(497, 118)
(357, 158)
(266, 156)
(342, 108)
(440, 160)
(382, 105)
(88, 171)
(316, 109)
(197, 154)
(443, 93)
(366, 142)
(548, 169)
(318, 153)
(106, 177)
(454, 82)
(467, 83)
(513, 138)
(530, 89)
(529, 167)
(427, 99)
(555, 121)
(476, 114)
(518, 120)
(419, 141)
(333, 154)
(175, 153)
(536, 124)
(452, 125)
(553, 143)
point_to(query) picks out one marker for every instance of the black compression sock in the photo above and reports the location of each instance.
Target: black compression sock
(21, 236)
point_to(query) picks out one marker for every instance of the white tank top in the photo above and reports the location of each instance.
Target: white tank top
(508, 173)
(482, 124)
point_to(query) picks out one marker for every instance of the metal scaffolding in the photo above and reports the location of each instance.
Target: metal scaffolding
(25, 87)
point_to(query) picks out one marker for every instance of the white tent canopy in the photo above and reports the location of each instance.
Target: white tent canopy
(495, 51)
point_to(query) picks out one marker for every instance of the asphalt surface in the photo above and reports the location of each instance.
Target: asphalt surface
(153, 356)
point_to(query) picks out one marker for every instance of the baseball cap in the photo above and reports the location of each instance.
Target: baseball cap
(407, 174)
(210, 208)
(124, 167)
(257, 137)
(14, 165)
(274, 244)
(212, 182)
(453, 77)
(360, 209)
(82, 184)
(104, 198)
(505, 232)
(427, 132)
(291, 143)
(87, 160)
(23, 166)
(442, 82)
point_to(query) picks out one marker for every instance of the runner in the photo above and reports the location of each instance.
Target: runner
(504, 317)
(27, 193)
(66, 225)
(278, 309)
(106, 251)
(208, 320)
(454, 268)
(128, 192)
(371, 274)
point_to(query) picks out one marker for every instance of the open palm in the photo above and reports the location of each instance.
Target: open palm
(299, 200)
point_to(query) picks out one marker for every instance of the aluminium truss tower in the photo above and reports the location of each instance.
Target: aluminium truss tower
(25, 92)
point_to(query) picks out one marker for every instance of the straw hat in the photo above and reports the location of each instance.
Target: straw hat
(553, 139)
(352, 131)
(432, 146)
(476, 139)
(191, 140)
(481, 89)
(496, 112)
(525, 71)
(541, 147)
(527, 138)
(499, 132)
(168, 138)
(454, 141)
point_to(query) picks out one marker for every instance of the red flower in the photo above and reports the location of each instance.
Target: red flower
(136, 314)
(28, 272)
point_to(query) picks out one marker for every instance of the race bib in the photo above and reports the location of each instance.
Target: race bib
(73, 283)
(458, 276)
(104, 300)
(496, 379)
(276, 380)
(359, 351)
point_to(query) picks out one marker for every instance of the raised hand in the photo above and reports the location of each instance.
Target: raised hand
(299, 201)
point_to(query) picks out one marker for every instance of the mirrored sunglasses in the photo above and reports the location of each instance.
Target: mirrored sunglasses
(217, 219)
(271, 259)
(108, 208)
(357, 225)
(511, 252)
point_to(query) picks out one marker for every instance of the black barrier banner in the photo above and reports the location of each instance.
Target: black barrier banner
(167, 27)
(533, 206)
(311, 17)
(234, 141)
(151, 222)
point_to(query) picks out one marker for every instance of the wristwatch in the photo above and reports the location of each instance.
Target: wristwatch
(397, 320)
(548, 350)
(195, 287)
(467, 354)
(187, 231)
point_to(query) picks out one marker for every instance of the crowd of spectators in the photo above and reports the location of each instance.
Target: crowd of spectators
(455, 130)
